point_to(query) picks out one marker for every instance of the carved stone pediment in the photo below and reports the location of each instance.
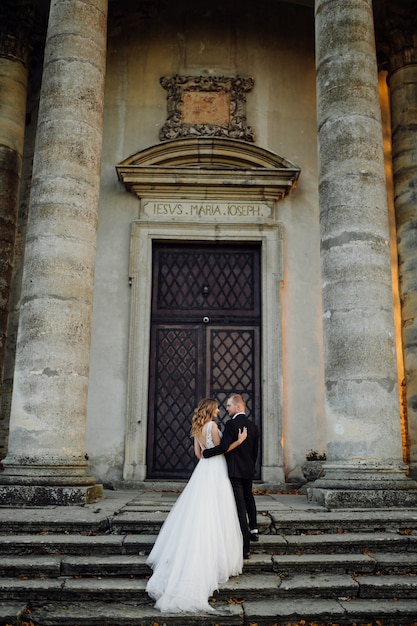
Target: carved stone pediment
(209, 168)
(206, 106)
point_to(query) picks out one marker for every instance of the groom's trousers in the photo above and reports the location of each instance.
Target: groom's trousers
(246, 508)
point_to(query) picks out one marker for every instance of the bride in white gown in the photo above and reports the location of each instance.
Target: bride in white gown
(200, 543)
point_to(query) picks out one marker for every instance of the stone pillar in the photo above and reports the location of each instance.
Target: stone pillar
(402, 81)
(15, 25)
(364, 466)
(45, 462)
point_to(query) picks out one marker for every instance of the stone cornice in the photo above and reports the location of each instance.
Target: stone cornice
(208, 168)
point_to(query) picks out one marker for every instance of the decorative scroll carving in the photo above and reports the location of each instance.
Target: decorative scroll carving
(206, 106)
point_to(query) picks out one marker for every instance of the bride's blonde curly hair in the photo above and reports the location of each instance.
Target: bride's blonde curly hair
(203, 413)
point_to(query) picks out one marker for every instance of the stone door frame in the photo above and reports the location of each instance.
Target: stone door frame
(206, 189)
(142, 236)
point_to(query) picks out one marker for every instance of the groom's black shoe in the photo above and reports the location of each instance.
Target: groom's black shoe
(254, 536)
(246, 556)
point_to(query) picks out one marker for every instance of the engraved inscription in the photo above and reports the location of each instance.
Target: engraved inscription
(196, 210)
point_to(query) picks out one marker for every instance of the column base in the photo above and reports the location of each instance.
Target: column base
(362, 498)
(45, 495)
(349, 487)
(43, 482)
(273, 474)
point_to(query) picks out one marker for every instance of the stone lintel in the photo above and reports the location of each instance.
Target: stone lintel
(190, 182)
(45, 495)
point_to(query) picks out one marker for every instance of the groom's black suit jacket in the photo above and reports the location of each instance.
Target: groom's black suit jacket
(240, 461)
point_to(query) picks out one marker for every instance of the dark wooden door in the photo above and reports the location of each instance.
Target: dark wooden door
(205, 341)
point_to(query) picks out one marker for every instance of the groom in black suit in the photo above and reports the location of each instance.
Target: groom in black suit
(241, 466)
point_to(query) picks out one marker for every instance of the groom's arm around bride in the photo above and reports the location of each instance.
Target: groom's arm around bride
(241, 465)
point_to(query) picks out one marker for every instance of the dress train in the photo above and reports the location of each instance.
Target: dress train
(200, 543)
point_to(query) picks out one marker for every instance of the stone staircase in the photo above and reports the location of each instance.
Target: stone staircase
(311, 566)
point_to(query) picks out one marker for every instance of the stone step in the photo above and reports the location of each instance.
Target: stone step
(324, 612)
(111, 565)
(87, 562)
(274, 612)
(63, 589)
(254, 587)
(128, 614)
(284, 544)
(312, 522)
(372, 563)
(289, 564)
(35, 523)
(142, 544)
(30, 566)
(61, 544)
(276, 521)
(242, 588)
(343, 586)
(343, 542)
(386, 586)
(246, 587)
(12, 613)
(148, 518)
(394, 563)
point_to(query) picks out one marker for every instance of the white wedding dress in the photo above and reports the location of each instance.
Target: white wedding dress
(200, 543)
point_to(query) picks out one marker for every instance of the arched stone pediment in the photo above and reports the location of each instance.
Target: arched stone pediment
(208, 167)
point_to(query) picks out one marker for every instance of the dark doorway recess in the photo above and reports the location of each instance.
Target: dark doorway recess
(205, 341)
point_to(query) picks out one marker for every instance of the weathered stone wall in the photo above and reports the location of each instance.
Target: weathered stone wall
(273, 43)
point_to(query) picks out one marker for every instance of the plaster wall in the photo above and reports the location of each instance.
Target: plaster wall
(273, 43)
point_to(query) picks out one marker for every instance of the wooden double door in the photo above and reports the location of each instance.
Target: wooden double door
(205, 341)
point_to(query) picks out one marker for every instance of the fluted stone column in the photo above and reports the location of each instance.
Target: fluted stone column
(402, 81)
(15, 25)
(364, 452)
(45, 461)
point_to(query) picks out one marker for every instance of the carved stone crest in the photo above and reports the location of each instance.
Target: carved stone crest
(206, 106)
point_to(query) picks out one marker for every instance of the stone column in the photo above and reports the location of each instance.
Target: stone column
(15, 25)
(364, 466)
(45, 462)
(402, 81)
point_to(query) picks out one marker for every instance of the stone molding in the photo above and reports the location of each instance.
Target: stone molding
(207, 189)
(218, 88)
(270, 237)
(223, 167)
